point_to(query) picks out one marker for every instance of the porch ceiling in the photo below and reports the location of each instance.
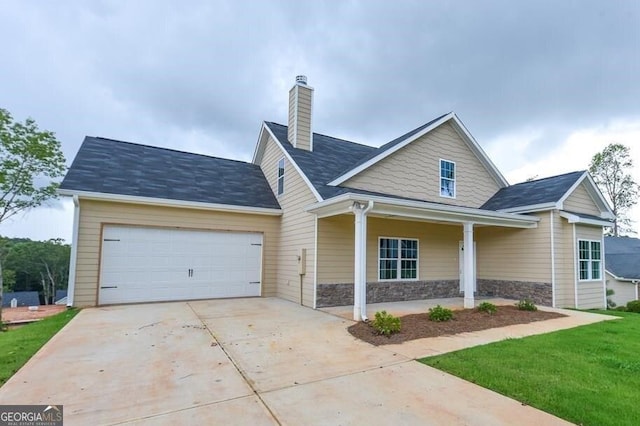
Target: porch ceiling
(396, 208)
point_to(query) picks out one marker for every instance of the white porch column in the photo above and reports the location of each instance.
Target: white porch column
(360, 262)
(468, 265)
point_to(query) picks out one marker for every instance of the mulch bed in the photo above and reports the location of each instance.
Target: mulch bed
(418, 326)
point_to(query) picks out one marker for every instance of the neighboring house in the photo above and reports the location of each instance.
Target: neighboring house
(24, 298)
(622, 264)
(61, 297)
(315, 219)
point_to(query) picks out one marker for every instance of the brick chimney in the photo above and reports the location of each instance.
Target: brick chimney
(300, 134)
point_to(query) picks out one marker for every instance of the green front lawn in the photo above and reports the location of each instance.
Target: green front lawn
(18, 345)
(588, 375)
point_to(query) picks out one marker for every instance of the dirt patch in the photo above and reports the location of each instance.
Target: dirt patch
(23, 314)
(418, 326)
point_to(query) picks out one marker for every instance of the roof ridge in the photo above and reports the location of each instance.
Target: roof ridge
(328, 136)
(548, 177)
(167, 149)
(413, 131)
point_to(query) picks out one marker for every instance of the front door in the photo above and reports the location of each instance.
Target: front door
(461, 265)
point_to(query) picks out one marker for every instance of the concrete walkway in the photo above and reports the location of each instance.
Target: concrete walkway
(243, 361)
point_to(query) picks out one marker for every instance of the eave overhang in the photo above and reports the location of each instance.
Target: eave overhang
(585, 220)
(165, 202)
(395, 208)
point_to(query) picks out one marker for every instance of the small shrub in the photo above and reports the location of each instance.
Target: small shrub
(440, 314)
(386, 324)
(634, 306)
(610, 303)
(621, 308)
(526, 305)
(487, 307)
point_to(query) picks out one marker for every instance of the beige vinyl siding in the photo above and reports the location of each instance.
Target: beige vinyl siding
(304, 118)
(590, 293)
(437, 247)
(581, 202)
(297, 227)
(515, 254)
(565, 263)
(299, 131)
(414, 171)
(624, 291)
(94, 214)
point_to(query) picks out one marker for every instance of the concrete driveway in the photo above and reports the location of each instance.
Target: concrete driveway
(243, 361)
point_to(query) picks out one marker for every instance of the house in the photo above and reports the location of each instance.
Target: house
(622, 268)
(24, 298)
(324, 221)
(60, 297)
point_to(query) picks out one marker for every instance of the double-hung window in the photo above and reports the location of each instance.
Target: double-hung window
(590, 260)
(447, 179)
(281, 176)
(398, 259)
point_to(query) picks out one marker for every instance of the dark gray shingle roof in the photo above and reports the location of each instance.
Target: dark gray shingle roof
(547, 190)
(116, 167)
(24, 298)
(329, 158)
(374, 153)
(622, 256)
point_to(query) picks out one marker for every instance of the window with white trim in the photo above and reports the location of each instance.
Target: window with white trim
(590, 260)
(397, 259)
(447, 179)
(281, 176)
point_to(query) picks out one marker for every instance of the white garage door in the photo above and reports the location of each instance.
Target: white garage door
(152, 264)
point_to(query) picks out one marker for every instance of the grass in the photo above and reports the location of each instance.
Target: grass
(18, 345)
(589, 375)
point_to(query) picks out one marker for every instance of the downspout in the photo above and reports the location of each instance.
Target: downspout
(635, 283)
(603, 272)
(575, 268)
(553, 260)
(71, 287)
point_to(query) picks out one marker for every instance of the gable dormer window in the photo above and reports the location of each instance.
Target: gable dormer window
(281, 176)
(447, 179)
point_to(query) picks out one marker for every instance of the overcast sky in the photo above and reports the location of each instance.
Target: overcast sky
(541, 85)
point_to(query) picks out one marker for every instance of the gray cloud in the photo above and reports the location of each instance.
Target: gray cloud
(202, 75)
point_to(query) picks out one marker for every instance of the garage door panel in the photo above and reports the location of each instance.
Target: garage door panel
(150, 264)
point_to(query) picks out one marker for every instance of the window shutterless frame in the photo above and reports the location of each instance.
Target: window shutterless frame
(589, 260)
(396, 259)
(280, 180)
(447, 178)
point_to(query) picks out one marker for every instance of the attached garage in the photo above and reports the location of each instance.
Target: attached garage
(146, 264)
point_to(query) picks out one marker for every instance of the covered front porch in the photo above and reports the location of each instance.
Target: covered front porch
(373, 249)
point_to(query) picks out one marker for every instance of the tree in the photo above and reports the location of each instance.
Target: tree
(610, 171)
(30, 161)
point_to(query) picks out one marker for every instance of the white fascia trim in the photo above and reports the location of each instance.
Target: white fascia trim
(461, 214)
(259, 150)
(340, 179)
(484, 158)
(295, 165)
(593, 190)
(531, 208)
(574, 218)
(99, 196)
(73, 258)
(631, 280)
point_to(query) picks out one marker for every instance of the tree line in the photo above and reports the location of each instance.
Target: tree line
(41, 266)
